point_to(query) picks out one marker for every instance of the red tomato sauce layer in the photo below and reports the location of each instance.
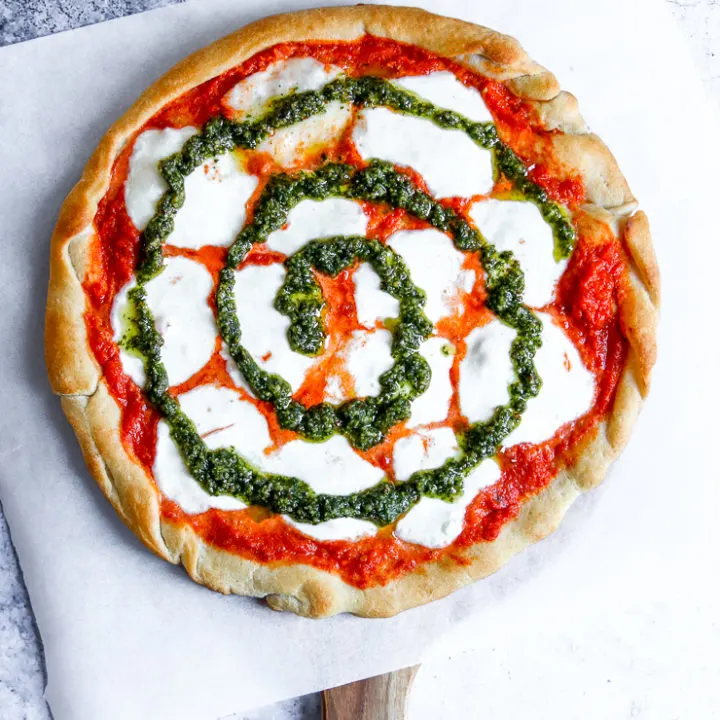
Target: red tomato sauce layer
(585, 305)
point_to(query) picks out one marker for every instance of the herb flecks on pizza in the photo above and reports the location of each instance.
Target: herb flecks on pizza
(349, 307)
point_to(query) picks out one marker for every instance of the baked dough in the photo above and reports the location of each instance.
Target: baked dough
(95, 415)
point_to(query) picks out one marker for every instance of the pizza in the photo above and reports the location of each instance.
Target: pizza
(349, 307)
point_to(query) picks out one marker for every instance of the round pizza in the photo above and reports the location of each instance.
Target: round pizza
(349, 307)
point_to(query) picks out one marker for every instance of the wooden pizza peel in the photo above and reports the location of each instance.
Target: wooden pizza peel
(383, 697)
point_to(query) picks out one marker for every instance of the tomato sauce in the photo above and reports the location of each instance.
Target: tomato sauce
(585, 305)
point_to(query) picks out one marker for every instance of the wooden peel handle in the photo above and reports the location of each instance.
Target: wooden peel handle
(383, 697)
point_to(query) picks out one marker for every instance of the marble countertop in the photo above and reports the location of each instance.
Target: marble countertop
(21, 660)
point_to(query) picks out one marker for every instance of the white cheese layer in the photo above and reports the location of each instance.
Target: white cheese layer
(331, 467)
(145, 185)
(176, 482)
(567, 392)
(486, 370)
(433, 404)
(568, 387)
(435, 265)
(263, 328)
(214, 207)
(253, 94)
(365, 357)
(289, 146)
(423, 451)
(132, 365)
(177, 298)
(435, 523)
(224, 419)
(372, 303)
(519, 227)
(340, 529)
(443, 89)
(311, 219)
(448, 160)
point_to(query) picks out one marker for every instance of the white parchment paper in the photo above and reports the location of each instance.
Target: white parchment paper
(129, 636)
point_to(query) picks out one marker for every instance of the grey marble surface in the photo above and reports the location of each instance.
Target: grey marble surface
(21, 664)
(27, 19)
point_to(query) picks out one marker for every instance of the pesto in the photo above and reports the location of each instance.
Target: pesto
(364, 421)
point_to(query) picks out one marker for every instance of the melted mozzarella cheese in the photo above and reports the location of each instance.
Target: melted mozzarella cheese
(423, 451)
(289, 146)
(311, 219)
(176, 482)
(145, 185)
(486, 370)
(365, 357)
(348, 529)
(435, 266)
(263, 328)
(520, 228)
(435, 523)
(132, 365)
(334, 391)
(371, 302)
(446, 91)
(253, 94)
(567, 392)
(177, 298)
(433, 404)
(214, 207)
(224, 419)
(448, 160)
(331, 467)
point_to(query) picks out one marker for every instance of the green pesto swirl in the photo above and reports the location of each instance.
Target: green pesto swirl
(363, 421)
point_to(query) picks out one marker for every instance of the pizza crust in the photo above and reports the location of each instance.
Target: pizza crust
(95, 416)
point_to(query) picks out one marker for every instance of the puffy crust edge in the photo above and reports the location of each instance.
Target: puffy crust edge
(95, 420)
(95, 416)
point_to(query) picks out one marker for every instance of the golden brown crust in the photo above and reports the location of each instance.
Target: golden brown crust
(95, 416)
(640, 301)
(72, 368)
(95, 420)
(587, 155)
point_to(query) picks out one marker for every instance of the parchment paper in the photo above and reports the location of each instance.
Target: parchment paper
(129, 636)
